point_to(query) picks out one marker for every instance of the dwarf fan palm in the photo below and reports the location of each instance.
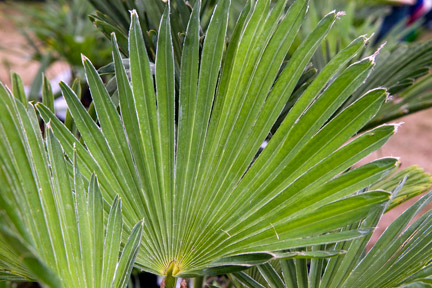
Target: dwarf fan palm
(210, 203)
(191, 182)
(399, 65)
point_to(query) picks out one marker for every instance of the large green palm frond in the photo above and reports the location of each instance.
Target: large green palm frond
(52, 228)
(211, 204)
(400, 258)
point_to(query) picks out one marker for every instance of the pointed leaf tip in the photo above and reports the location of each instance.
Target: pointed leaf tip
(333, 12)
(83, 58)
(373, 56)
(370, 37)
(134, 13)
(397, 125)
(340, 14)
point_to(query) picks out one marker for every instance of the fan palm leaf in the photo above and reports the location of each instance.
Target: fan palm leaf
(399, 66)
(210, 203)
(52, 228)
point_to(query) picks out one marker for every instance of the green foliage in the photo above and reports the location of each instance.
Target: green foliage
(408, 76)
(415, 182)
(400, 258)
(180, 142)
(113, 17)
(167, 172)
(60, 30)
(404, 68)
(52, 228)
(400, 67)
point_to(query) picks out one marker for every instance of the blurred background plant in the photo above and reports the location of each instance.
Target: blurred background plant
(396, 29)
(59, 31)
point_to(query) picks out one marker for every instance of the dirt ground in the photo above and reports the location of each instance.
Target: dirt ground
(412, 143)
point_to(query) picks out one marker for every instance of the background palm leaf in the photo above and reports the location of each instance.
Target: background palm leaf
(404, 68)
(400, 65)
(113, 17)
(415, 182)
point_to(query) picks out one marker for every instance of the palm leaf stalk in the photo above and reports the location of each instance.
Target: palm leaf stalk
(209, 203)
(52, 227)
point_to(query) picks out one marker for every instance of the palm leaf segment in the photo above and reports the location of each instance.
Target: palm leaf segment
(209, 204)
(400, 258)
(52, 228)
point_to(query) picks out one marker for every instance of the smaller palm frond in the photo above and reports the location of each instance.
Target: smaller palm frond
(415, 182)
(400, 258)
(52, 226)
(113, 17)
